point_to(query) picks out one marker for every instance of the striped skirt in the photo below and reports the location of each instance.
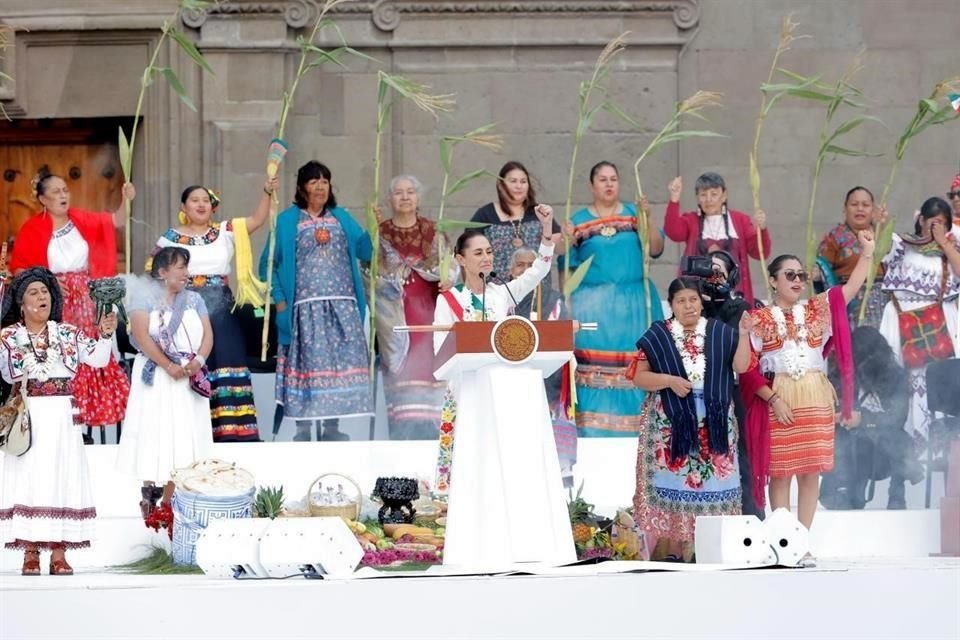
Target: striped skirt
(806, 446)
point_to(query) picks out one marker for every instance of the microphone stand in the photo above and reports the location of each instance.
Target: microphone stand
(483, 298)
(495, 278)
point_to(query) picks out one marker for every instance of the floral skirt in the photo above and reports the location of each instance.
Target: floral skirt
(101, 394)
(670, 494)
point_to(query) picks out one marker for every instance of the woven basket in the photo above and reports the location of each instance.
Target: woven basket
(349, 511)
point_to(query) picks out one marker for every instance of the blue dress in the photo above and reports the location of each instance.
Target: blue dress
(613, 295)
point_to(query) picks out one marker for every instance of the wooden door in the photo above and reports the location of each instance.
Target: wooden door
(90, 169)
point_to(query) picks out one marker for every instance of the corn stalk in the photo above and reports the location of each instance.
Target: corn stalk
(669, 134)
(586, 114)
(929, 113)
(391, 89)
(126, 147)
(482, 137)
(311, 57)
(787, 27)
(5, 32)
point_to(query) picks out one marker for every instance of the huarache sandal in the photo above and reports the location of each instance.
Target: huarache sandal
(31, 563)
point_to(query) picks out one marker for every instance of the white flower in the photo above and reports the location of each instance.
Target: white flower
(695, 366)
(794, 354)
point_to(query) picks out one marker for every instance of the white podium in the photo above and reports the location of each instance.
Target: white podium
(506, 499)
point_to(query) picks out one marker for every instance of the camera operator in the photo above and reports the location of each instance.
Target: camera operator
(720, 275)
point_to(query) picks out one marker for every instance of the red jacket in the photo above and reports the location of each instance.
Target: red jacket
(30, 247)
(686, 228)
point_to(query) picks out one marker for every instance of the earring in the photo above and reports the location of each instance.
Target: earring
(182, 217)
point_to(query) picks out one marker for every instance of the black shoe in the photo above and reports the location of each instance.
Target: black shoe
(334, 435)
(302, 435)
(87, 439)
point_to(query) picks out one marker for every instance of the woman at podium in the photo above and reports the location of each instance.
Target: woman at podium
(505, 500)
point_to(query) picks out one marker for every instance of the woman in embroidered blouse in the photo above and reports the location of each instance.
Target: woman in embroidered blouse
(322, 360)
(613, 291)
(687, 456)
(511, 219)
(840, 249)
(923, 279)
(796, 409)
(713, 226)
(46, 497)
(78, 246)
(213, 246)
(406, 294)
(474, 300)
(168, 423)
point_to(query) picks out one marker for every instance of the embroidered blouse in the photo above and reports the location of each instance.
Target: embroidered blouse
(915, 274)
(211, 254)
(69, 347)
(765, 340)
(68, 252)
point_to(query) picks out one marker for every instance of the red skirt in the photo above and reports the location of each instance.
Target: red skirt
(100, 394)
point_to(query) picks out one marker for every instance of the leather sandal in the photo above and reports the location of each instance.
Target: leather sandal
(60, 568)
(31, 563)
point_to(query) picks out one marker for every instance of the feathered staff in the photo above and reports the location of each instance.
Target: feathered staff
(391, 89)
(929, 113)
(766, 103)
(168, 30)
(670, 133)
(311, 57)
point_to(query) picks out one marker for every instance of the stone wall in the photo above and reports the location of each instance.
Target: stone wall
(517, 63)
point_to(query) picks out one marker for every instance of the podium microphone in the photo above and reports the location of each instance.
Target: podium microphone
(483, 298)
(495, 278)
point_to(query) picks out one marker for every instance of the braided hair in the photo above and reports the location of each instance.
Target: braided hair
(14, 295)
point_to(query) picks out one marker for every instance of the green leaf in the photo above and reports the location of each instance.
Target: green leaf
(191, 50)
(147, 78)
(590, 116)
(612, 108)
(850, 125)
(324, 57)
(573, 282)
(194, 4)
(446, 153)
(126, 157)
(174, 83)
(678, 136)
(930, 105)
(455, 225)
(461, 184)
(843, 151)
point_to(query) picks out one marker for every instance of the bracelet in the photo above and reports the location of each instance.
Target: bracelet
(200, 359)
(773, 399)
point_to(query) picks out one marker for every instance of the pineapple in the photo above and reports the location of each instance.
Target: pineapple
(269, 502)
(581, 515)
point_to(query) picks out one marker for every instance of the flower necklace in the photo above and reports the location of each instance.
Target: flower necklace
(37, 362)
(695, 358)
(794, 356)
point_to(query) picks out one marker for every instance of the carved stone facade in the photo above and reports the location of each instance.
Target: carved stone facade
(514, 62)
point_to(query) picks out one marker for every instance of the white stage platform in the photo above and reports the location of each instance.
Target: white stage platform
(864, 599)
(605, 466)
(875, 580)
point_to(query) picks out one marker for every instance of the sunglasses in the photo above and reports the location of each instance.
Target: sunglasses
(792, 275)
(953, 194)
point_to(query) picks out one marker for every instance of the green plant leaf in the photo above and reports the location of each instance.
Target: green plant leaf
(930, 104)
(191, 50)
(455, 225)
(174, 83)
(612, 108)
(324, 56)
(573, 282)
(850, 125)
(195, 4)
(126, 157)
(461, 184)
(678, 136)
(446, 153)
(843, 151)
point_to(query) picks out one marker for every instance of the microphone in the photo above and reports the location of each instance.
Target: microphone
(483, 299)
(495, 278)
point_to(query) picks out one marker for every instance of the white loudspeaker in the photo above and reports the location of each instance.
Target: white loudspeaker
(230, 548)
(739, 540)
(788, 538)
(313, 547)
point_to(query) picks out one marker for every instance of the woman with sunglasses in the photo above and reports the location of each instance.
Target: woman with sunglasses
(797, 404)
(953, 195)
